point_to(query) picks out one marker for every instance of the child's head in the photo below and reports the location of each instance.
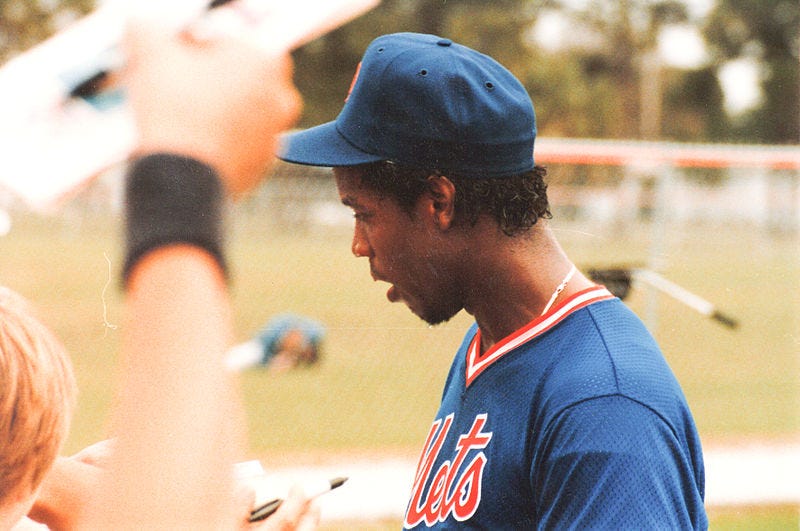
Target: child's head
(37, 398)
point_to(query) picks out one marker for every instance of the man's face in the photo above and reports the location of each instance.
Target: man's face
(404, 249)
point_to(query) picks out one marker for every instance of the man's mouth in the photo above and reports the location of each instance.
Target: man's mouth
(393, 294)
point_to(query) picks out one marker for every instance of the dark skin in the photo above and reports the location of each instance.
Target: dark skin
(438, 266)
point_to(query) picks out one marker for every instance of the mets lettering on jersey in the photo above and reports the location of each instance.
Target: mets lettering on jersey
(573, 421)
(454, 490)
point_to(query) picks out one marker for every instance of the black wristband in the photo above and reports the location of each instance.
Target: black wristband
(172, 199)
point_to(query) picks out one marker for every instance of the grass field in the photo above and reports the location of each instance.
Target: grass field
(380, 378)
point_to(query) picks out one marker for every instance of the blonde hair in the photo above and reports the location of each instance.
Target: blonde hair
(37, 397)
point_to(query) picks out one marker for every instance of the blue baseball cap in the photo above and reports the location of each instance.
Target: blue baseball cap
(426, 102)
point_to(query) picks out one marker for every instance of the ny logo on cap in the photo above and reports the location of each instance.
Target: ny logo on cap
(353, 83)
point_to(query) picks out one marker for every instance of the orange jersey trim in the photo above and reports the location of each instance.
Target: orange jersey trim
(477, 363)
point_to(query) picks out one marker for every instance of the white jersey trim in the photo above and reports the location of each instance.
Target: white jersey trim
(476, 363)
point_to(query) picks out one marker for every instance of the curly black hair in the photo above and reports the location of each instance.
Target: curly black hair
(515, 202)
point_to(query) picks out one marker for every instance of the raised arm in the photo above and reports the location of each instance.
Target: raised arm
(208, 114)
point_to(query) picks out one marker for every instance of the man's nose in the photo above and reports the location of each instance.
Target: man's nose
(359, 246)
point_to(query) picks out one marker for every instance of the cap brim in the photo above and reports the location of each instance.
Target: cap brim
(323, 145)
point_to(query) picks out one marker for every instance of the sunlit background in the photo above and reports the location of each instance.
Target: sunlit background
(671, 131)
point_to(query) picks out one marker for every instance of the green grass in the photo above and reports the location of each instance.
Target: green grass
(380, 379)
(383, 368)
(743, 382)
(770, 518)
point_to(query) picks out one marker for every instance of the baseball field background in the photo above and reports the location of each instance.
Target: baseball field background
(377, 386)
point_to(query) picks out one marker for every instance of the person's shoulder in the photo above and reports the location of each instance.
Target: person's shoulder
(619, 324)
(638, 360)
(605, 349)
(641, 371)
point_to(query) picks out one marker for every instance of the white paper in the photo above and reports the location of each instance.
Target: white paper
(53, 144)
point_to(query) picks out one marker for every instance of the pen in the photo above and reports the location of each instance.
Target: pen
(264, 511)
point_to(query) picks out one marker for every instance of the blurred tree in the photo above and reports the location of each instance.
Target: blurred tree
(608, 80)
(768, 31)
(24, 23)
(324, 68)
(693, 106)
(601, 81)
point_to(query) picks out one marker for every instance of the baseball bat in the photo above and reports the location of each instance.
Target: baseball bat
(695, 302)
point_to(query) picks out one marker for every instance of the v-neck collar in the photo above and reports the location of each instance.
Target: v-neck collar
(477, 363)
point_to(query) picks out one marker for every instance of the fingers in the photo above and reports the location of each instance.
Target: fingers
(221, 100)
(291, 101)
(296, 512)
(244, 498)
(214, 25)
(98, 454)
(310, 520)
(142, 38)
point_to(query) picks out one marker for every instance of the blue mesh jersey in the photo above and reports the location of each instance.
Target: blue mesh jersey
(574, 421)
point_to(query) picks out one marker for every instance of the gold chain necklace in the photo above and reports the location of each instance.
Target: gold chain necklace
(559, 289)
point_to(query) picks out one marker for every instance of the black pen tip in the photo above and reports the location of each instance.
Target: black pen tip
(337, 482)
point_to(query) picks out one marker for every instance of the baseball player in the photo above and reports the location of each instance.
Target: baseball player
(559, 410)
(286, 341)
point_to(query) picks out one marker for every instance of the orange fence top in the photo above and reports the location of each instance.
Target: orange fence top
(634, 152)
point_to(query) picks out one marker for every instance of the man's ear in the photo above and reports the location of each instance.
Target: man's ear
(442, 200)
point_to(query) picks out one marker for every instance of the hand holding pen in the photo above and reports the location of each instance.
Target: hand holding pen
(308, 493)
(296, 512)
